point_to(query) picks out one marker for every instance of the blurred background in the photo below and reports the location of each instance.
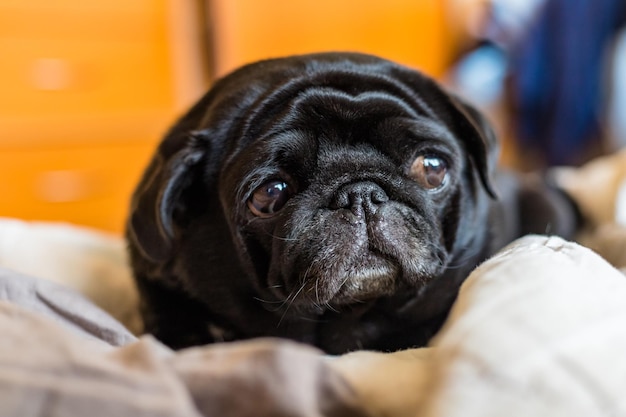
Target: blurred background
(87, 88)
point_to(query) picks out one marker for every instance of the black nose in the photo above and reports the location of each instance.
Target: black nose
(361, 197)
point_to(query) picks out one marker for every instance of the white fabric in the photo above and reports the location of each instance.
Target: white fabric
(91, 262)
(538, 330)
(597, 188)
(620, 205)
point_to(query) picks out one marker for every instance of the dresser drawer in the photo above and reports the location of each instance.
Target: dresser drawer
(134, 21)
(74, 70)
(77, 76)
(407, 31)
(89, 185)
(87, 88)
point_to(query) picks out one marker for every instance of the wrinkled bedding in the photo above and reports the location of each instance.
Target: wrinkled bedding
(537, 330)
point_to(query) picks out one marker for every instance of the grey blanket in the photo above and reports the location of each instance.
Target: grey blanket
(60, 355)
(538, 330)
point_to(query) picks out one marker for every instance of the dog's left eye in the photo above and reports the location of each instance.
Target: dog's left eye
(429, 171)
(269, 198)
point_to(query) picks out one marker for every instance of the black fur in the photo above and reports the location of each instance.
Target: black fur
(362, 255)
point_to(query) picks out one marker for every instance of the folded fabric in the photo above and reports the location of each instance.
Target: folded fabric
(60, 355)
(89, 261)
(538, 330)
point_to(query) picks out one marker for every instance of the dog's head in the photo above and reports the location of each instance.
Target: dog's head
(317, 182)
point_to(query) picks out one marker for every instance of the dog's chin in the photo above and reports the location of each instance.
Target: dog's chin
(377, 277)
(355, 282)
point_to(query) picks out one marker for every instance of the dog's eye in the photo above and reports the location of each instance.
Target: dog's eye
(429, 171)
(269, 198)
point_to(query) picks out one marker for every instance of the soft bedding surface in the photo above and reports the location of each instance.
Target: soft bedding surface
(538, 330)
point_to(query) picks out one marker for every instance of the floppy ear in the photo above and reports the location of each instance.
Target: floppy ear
(158, 197)
(480, 139)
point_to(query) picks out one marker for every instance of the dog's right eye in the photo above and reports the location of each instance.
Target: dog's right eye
(269, 198)
(430, 171)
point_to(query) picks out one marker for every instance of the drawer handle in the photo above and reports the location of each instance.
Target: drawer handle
(65, 186)
(52, 74)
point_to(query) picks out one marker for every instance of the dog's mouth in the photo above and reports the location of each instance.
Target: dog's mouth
(371, 276)
(354, 280)
(348, 283)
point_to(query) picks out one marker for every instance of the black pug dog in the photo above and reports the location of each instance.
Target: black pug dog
(335, 199)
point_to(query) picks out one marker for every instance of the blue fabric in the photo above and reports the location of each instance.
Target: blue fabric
(557, 80)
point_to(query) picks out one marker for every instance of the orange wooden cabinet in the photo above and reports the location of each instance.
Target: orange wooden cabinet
(88, 88)
(86, 185)
(413, 32)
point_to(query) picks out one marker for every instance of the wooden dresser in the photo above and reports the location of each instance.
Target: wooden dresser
(87, 88)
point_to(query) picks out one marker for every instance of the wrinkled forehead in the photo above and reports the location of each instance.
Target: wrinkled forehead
(340, 98)
(330, 98)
